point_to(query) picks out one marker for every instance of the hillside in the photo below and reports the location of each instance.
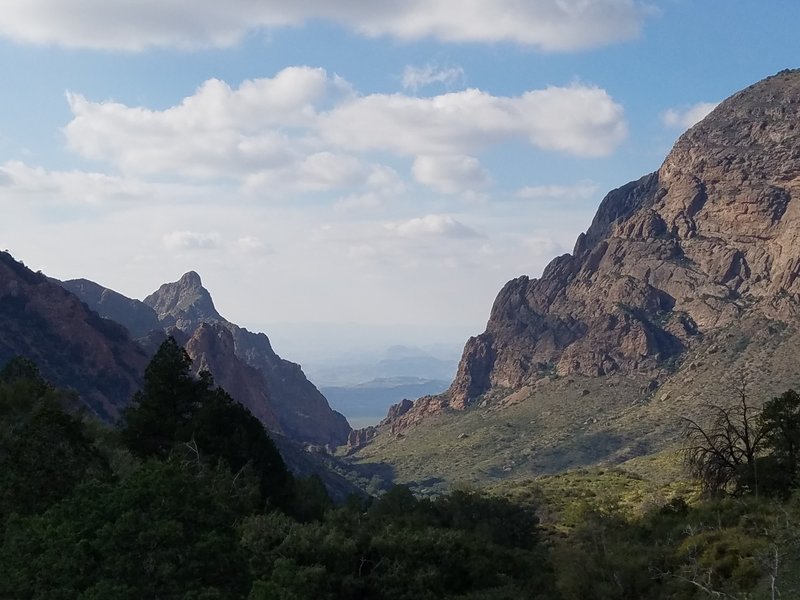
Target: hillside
(73, 346)
(244, 363)
(684, 286)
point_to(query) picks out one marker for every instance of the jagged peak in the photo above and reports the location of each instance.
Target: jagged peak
(184, 302)
(191, 279)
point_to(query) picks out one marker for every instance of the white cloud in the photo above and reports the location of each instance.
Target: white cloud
(450, 174)
(580, 120)
(303, 130)
(415, 78)
(81, 188)
(580, 191)
(685, 117)
(318, 172)
(217, 131)
(435, 225)
(191, 240)
(542, 247)
(131, 25)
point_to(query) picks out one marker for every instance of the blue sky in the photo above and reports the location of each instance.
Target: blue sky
(348, 174)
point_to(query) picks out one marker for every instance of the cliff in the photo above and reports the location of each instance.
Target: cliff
(712, 237)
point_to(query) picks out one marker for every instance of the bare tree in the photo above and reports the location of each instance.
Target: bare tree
(723, 453)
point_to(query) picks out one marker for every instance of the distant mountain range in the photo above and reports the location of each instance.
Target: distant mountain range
(367, 403)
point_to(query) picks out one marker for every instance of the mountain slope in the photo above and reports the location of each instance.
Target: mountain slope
(685, 284)
(72, 345)
(135, 315)
(244, 363)
(711, 237)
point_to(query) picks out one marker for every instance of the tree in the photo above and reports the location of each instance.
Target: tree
(780, 420)
(176, 409)
(162, 411)
(724, 455)
(224, 429)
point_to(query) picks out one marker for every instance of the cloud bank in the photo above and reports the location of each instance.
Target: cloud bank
(304, 130)
(132, 25)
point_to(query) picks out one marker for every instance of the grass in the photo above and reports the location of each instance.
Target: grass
(574, 423)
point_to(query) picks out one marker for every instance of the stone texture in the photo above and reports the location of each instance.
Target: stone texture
(244, 363)
(212, 349)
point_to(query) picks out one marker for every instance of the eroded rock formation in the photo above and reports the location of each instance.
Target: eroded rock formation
(714, 234)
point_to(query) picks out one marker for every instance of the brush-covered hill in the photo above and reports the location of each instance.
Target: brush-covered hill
(685, 283)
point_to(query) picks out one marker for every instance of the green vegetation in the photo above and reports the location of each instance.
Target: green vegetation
(189, 499)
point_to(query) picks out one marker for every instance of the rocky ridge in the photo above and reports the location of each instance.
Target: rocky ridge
(72, 345)
(712, 237)
(244, 363)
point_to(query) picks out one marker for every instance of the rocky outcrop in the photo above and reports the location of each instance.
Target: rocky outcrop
(184, 303)
(211, 348)
(135, 315)
(244, 363)
(72, 345)
(712, 236)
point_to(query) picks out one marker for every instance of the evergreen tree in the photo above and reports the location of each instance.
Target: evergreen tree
(162, 411)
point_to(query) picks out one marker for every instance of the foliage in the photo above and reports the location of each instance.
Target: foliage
(164, 532)
(190, 500)
(176, 410)
(780, 420)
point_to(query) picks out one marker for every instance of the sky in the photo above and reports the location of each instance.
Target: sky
(354, 174)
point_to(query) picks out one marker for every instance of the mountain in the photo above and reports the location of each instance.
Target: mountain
(244, 363)
(72, 345)
(686, 282)
(136, 316)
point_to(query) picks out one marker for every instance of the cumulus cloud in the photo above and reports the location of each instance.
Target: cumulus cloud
(18, 179)
(434, 225)
(304, 130)
(382, 185)
(415, 78)
(683, 118)
(191, 240)
(130, 25)
(579, 119)
(215, 131)
(579, 191)
(450, 174)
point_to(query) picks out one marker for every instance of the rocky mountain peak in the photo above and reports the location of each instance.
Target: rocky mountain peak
(243, 362)
(712, 237)
(190, 279)
(184, 303)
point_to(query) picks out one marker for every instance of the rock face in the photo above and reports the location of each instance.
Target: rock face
(244, 363)
(710, 237)
(72, 345)
(212, 349)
